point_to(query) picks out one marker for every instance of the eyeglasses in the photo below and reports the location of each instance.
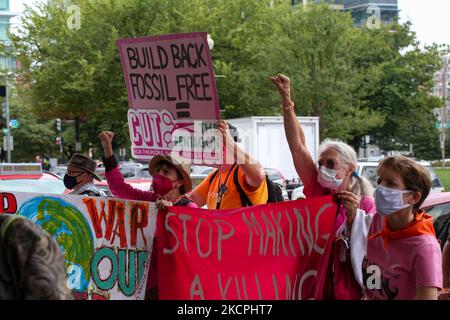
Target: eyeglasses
(329, 163)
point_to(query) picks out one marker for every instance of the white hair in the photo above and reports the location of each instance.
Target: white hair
(346, 154)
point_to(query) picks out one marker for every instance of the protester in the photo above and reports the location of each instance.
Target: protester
(31, 262)
(171, 182)
(402, 258)
(80, 176)
(335, 174)
(220, 190)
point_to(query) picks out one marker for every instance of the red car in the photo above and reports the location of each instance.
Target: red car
(29, 177)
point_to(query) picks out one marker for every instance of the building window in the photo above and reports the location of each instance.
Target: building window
(4, 5)
(4, 28)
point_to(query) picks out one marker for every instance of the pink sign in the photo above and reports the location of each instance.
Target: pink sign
(172, 73)
(154, 132)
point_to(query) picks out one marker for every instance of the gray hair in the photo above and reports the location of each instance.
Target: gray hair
(360, 186)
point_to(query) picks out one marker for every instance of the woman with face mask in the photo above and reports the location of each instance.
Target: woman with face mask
(395, 253)
(334, 174)
(170, 183)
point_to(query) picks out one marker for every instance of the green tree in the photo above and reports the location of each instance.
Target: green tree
(358, 81)
(76, 74)
(34, 136)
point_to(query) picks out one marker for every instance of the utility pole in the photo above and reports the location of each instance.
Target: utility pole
(8, 136)
(443, 110)
(77, 135)
(59, 137)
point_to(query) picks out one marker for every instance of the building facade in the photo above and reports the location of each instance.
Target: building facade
(6, 63)
(441, 87)
(362, 10)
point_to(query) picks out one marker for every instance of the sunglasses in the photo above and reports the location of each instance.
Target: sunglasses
(329, 163)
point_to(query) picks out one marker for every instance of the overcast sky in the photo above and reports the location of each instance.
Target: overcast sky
(429, 18)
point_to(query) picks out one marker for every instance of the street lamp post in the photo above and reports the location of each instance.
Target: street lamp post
(8, 135)
(443, 112)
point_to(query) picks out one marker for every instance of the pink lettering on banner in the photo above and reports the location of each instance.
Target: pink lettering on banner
(154, 132)
(152, 153)
(268, 252)
(151, 128)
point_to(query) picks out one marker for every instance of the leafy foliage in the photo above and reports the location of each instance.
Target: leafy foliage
(358, 81)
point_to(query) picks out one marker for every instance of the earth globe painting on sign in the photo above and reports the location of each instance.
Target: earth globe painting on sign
(71, 231)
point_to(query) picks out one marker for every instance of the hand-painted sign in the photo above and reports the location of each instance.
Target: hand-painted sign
(170, 72)
(274, 251)
(170, 85)
(106, 242)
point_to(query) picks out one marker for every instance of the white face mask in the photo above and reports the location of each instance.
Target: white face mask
(327, 178)
(389, 201)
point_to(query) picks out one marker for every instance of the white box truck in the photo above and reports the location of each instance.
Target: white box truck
(265, 140)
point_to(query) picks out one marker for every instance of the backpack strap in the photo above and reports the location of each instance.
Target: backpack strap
(244, 198)
(214, 175)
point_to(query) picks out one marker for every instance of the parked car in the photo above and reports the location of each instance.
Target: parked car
(291, 185)
(29, 177)
(136, 174)
(284, 194)
(438, 206)
(102, 185)
(276, 177)
(368, 170)
(297, 193)
(60, 171)
(135, 171)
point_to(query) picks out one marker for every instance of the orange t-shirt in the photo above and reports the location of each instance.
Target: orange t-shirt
(230, 199)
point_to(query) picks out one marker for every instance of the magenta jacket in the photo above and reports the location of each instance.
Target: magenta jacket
(120, 189)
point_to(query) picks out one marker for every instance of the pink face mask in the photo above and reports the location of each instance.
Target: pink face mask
(162, 185)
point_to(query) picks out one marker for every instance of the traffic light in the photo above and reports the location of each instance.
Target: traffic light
(4, 110)
(58, 124)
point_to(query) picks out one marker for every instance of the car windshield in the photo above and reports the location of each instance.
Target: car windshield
(33, 185)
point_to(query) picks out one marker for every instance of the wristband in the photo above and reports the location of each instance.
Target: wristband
(291, 106)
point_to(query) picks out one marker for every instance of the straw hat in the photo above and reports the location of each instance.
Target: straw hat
(153, 165)
(84, 163)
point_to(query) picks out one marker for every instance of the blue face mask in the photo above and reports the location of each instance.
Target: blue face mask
(389, 201)
(70, 182)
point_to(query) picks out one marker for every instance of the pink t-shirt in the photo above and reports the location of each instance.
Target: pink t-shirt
(405, 265)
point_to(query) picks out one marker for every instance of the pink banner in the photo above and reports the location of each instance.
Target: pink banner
(270, 252)
(170, 72)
